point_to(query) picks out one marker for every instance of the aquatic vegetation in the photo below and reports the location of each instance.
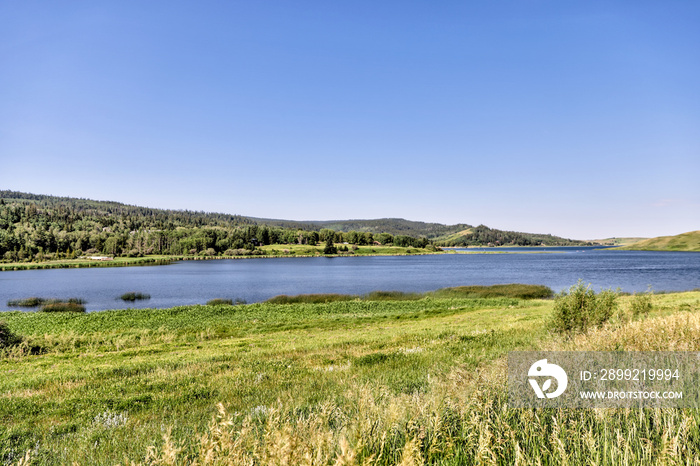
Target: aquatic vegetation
(134, 296)
(62, 307)
(226, 302)
(518, 291)
(220, 302)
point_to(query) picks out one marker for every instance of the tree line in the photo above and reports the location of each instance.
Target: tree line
(37, 228)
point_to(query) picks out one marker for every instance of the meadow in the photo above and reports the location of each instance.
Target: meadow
(363, 381)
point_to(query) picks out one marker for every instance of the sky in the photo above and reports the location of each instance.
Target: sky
(579, 119)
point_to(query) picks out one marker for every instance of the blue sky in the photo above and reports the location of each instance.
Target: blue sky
(580, 119)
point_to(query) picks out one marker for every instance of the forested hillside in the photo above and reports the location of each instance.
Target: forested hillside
(485, 236)
(36, 227)
(395, 226)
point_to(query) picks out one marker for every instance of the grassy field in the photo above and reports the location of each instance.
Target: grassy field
(684, 242)
(365, 382)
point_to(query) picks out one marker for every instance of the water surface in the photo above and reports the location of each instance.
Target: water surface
(196, 282)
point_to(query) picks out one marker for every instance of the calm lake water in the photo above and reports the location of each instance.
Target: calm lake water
(196, 282)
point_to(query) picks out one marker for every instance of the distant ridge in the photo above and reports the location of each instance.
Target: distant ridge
(395, 226)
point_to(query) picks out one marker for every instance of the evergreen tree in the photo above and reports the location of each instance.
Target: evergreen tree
(330, 247)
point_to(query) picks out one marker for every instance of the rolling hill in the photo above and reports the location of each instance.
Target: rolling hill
(689, 241)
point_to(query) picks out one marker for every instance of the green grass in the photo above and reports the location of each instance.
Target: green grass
(684, 242)
(514, 290)
(400, 380)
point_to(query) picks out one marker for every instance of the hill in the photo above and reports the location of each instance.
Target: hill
(485, 236)
(689, 241)
(36, 227)
(394, 226)
(617, 241)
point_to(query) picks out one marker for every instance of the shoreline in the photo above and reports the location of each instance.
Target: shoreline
(167, 260)
(158, 260)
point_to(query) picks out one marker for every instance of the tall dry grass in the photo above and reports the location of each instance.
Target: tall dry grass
(462, 418)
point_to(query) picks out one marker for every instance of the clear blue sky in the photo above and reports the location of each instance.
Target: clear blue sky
(580, 119)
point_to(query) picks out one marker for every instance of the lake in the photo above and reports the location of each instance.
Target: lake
(253, 280)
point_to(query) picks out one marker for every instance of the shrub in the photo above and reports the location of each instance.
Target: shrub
(63, 307)
(579, 308)
(640, 304)
(7, 338)
(133, 296)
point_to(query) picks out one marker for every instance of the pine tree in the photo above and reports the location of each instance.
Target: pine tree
(330, 247)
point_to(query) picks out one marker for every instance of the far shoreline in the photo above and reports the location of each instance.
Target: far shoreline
(155, 260)
(271, 253)
(293, 251)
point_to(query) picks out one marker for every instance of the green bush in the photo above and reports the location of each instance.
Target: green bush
(640, 304)
(580, 308)
(7, 338)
